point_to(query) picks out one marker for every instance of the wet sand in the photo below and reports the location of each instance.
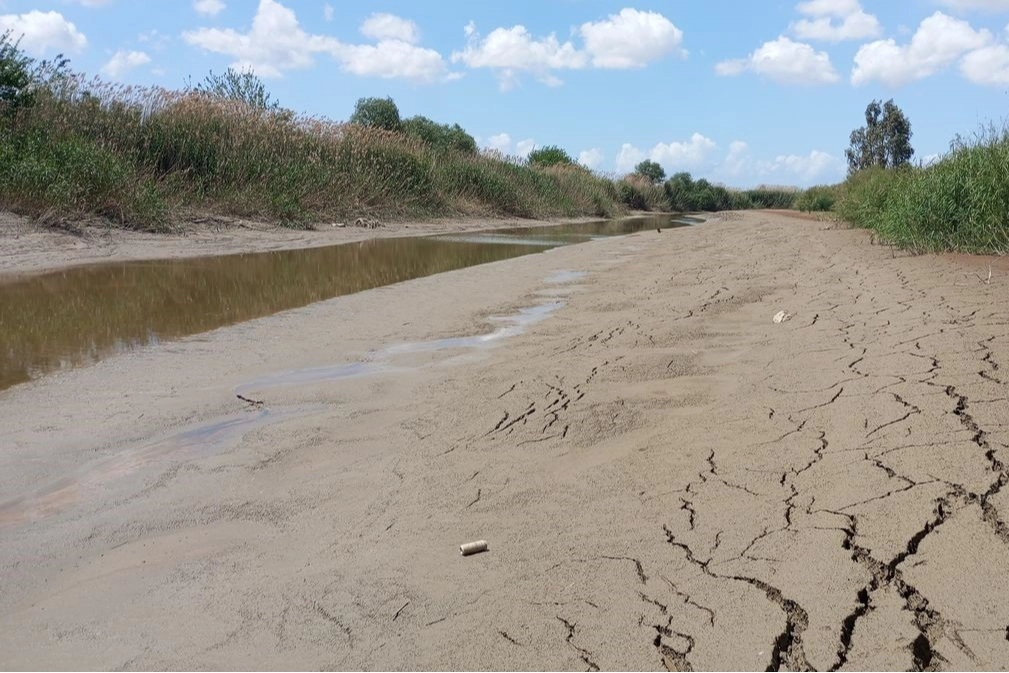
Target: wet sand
(31, 248)
(666, 478)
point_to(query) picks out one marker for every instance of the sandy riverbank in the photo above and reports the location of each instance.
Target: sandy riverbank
(31, 248)
(666, 478)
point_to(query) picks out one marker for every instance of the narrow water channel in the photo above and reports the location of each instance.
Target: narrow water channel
(79, 315)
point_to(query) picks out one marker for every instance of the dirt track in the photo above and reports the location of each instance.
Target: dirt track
(666, 478)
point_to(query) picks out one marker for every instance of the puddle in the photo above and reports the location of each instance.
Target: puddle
(219, 434)
(314, 375)
(202, 440)
(377, 363)
(78, 316)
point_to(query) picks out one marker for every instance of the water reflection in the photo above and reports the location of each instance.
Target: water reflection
(80, 315)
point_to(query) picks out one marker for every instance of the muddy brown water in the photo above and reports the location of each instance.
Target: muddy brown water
(79, 315)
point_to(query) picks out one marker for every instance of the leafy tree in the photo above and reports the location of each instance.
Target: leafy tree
(21, 77)
(439, 136)
(244, 86)
(679, 191)
(380, 113)
(651, 170)
(551, 155)
(884, 141)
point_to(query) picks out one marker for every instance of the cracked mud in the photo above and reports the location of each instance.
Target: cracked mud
(667, 479)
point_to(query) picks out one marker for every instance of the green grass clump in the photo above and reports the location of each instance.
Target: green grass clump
(960, 202)
(817, 199)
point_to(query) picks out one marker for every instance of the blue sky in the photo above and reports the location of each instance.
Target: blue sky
(743, 92)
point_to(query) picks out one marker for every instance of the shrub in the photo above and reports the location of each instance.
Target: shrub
(816, 199)
(379, 113)
(651, 171)
(551, 155)
(441, 137)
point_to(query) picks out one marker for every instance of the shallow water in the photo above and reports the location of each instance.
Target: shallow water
(79, 315)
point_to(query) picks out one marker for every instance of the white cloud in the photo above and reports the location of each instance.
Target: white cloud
(738, 159)
(277, 43)
(390, 27)
(508, 50)
(502, 143)
(835, 21)
(631, 39)
(208, 7)
(939, 41)
(684, 155)
(674, 156)
(394, 59)
(524, 148)
(123, 61)
(739, 166)
(839, 8)
(988, 66)
(629, 157)
(328, 12)
(784, 61)
(855, 26)
(43, 32)
(591, 159)
(988, 5)
(814, 167)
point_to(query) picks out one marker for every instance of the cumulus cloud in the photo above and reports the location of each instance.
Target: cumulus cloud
(123, 61)
(939, 41)
(502, 143)
(988, 66)
(739, 166)
(629, 39)
(674, 156)
(515, 49)
(591, 159)
(393, 59)
(390, 27)
(208, 7)
(835, 21)
(738, 159)
(44, 32)
(277, 43)
(784, 61)
(816, 166)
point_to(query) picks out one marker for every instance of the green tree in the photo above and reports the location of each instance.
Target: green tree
(21, 77)
(651, 170)
(380, 113)
(240, 85)
(884, 141)
(439, 136)
(551, 155)
(679, 191)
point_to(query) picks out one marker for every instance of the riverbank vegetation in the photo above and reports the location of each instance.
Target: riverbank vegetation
(149, 158)
(956, 202)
